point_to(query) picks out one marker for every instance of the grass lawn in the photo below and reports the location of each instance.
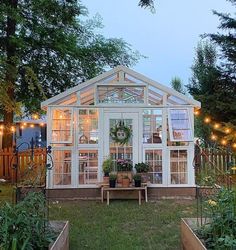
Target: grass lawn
(123, 225)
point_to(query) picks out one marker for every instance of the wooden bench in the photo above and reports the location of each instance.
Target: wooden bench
(107, 189)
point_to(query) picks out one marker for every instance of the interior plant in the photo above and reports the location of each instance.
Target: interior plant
(112, 180)
(137, 180)
(107, 167)
(24, 226)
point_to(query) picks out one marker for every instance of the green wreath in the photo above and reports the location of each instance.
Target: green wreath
(120, 133)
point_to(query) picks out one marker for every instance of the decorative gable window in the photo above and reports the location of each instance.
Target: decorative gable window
(180, 128)
(61, 125)
(120, 94)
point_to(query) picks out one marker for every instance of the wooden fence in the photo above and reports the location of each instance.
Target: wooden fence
(221, 161)
(25, 160)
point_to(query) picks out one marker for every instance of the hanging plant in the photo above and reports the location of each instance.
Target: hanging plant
(120, 133)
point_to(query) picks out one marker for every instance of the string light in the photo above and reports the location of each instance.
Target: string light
(41, 124)
(227, 130)
(214, 137)
(22, 127)
(24, 123)
(234, 145)
(13, 129)
(32, 125)
(207, 120)
(223, 142)
(1, 127)
(35, 117)
(197, 112)
(216, 125)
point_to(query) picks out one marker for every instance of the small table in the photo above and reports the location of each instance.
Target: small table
(139, 189)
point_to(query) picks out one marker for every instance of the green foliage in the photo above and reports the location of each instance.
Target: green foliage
(220, 231)
(48, 48)
(112, 177)
(124, 165)
(142, 167)
(206, 176)
(137, 177)
(23, 226)
(107, 166)
(177, 85)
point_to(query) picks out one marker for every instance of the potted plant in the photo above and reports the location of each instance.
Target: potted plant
(107, 167)
(124, 168)
(137, 180)
(112, 180)
(142, 169)
(125, 181)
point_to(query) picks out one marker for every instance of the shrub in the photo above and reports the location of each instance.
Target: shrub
(141, 167)
(107, 166)
(137, 177)
(23, 226)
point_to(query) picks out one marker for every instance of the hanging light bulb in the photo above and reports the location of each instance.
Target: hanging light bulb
(214, 137)
(207, 120)
(32, 125)
(13, 129)
(2, 127)
(24, 124)
(234, 145)
(223, 142)
(216, 125)
(227, 130)
(35, 116)
(41, 124)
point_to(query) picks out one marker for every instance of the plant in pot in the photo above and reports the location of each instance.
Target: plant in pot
(112, 180)
(124, 168)
(107, 167)
(142, 169)
(125, 181)
(137, 180)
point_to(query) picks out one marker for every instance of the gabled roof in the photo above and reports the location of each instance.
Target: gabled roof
(155, 87)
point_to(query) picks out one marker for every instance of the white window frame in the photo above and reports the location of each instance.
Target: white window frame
(171, 127)
(53, 169)
(71, 126)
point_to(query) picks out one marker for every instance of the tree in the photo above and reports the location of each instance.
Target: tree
(45, 48)
(227, 43)
(177, 85)
(147, 3)
(204, 85)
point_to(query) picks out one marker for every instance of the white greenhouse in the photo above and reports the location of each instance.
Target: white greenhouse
(160, 121)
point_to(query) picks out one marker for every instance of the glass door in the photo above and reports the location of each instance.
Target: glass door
(117, 150)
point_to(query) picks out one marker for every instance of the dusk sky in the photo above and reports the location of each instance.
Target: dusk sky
(167, 38)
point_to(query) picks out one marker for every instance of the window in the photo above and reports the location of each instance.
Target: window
(152, 126)
(61, 126)
(88, 126)
(120, 94)
(88, 166)
(179, 125)
(154, 159)
(178, 167)
(62, 167)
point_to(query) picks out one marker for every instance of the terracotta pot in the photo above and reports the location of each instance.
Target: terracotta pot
(106, 179)
(125, 182)
(121, 174)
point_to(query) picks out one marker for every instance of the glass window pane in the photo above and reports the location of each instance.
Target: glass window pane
(152, 126)
(62, 167)
(154, 159)
(88, 126)
(178, 167)
(61, 125)
(179, 125)
(88, 166)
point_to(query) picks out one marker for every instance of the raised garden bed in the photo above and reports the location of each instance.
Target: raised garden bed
(62, 240)
(189, 240)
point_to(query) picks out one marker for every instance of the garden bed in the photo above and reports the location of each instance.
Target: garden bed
(189, 240)
(62, 240)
